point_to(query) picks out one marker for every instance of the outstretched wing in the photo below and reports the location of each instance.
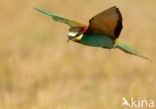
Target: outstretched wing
(60, 18)
(107, 22)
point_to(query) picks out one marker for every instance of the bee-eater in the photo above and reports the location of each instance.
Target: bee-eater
(103, 30)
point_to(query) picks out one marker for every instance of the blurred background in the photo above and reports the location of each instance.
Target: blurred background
(39, 70)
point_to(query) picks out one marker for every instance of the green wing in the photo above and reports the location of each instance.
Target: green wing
(59, 18)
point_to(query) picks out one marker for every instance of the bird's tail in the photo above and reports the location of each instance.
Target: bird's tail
(127, 49)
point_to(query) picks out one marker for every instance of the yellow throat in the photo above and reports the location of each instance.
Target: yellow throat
(78, 38)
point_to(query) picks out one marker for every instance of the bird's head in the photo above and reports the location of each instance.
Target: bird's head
(75, 34)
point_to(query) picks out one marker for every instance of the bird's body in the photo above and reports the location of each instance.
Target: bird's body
(103, 30)
(96, 40)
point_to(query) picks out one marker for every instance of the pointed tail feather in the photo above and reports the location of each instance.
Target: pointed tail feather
(127, 49)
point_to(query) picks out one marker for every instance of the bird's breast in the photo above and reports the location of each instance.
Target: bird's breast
(97, 41)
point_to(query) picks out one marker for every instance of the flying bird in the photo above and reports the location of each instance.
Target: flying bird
(103, 30)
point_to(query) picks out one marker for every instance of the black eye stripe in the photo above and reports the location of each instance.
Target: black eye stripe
(78, 34)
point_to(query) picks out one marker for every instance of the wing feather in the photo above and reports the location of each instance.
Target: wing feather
(108, 22)
(60, 18)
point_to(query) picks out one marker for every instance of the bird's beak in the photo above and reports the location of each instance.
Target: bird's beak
(69, 38)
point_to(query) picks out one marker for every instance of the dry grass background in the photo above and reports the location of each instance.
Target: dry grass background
(39, 70)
